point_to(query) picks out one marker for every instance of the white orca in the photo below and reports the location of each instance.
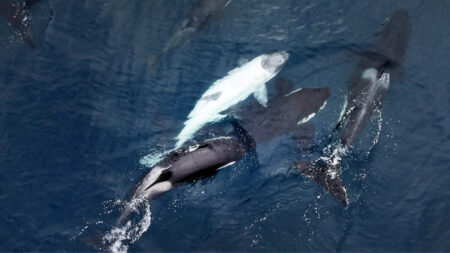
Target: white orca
(235, 87)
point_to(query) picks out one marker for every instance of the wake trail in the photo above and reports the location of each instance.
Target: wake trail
(119, 238)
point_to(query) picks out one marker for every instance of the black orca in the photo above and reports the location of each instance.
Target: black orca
(193, 161)
(18, 16)
(287, 112)
(187, 164)
(200, 15)
(369, 84)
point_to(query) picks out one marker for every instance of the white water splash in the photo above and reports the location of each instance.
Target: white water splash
(120, 237)
(378, 131)
(85, 227)
(333, 155)
(153, 158)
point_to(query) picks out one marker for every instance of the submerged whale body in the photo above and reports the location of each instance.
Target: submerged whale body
(235, 87)
(18, 16)
(369, 85)
(288, 112)
(201, 14)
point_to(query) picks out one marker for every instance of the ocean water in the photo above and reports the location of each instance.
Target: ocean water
(80, 111)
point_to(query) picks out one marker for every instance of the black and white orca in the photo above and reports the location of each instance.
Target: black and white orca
(187, 164)
(283, 114)
(369, 85)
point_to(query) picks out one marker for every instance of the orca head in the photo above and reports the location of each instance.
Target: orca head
(153, 184)
(273, 63)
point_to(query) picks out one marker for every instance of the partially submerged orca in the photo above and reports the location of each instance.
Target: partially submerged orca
(288, 112)
(187, 164)
(369, 85)
(207, 157)
(200, 15)
(18, 16)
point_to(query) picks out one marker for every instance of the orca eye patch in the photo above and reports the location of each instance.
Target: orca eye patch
(203, 146)
(165, 175)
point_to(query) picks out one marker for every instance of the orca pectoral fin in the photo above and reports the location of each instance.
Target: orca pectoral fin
(211, 97)
(326, 175)
(261, 95)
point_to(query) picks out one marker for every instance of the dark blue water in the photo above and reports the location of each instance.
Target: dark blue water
(79, 112)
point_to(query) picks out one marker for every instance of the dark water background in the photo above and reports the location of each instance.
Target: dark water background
(79, 112)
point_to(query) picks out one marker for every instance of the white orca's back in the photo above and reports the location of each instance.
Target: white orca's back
(192, 125)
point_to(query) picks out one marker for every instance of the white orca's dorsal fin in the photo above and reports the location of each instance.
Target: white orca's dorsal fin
(261, 95)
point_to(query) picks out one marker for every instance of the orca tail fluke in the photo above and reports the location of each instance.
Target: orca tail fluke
(326, 175)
